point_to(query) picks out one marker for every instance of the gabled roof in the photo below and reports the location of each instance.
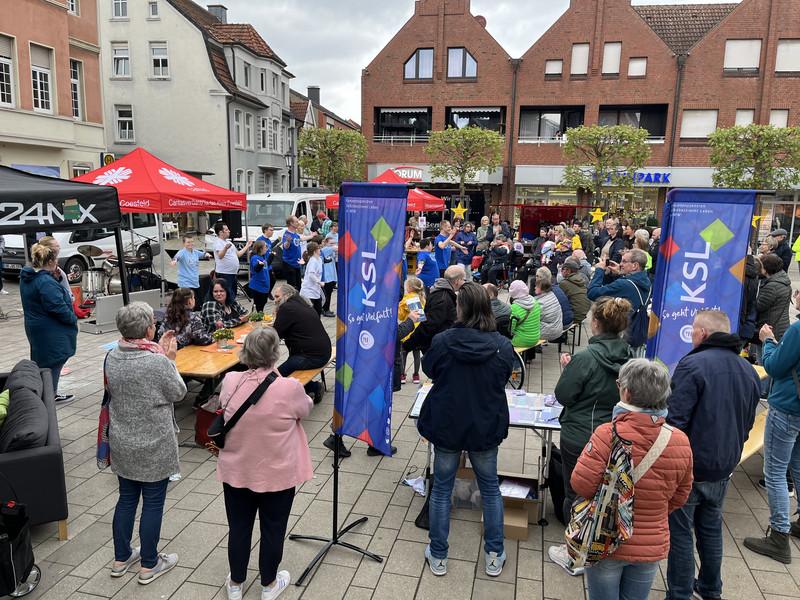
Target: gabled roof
(220, 66)
(298, 97)
(681, 26)
(195, 13)
(245, 35)
(299, 109)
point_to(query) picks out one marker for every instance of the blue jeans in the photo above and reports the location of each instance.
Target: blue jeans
(781, 450)
(703, 511)
(296, 362)
(232, 281)
(620, 580)
(445, 465)
(153, 495)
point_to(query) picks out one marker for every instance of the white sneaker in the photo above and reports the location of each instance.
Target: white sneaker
(4, 293)
(560, 556)
(234, 591)
(281, 582)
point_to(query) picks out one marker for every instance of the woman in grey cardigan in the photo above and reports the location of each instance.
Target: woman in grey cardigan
(142, 436)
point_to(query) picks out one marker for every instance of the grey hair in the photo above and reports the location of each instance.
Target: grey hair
(638, 256)
(289, 290)
(771, 242)
(544, 273)
(642, 233)
(134, 319)
(261, 348)
(648, 383)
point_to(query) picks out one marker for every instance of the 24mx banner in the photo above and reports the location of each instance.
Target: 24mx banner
(372, 226)
(704, 238)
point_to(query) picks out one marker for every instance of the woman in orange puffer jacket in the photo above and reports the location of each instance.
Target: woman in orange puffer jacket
(629, 571)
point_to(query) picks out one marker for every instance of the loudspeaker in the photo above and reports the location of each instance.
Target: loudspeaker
(233, 219)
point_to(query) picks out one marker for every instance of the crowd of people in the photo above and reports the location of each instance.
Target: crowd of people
(464, 345)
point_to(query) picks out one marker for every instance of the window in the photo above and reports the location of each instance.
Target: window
(402, 124)
(547, 122)
(420, 65)
(72, 7)
(124, 118)
(284, 97)
(248, 75)
(6, 71)
(778, 117)
(274, 84)
(239, 175)
(580, 59)
(237, 128)
(76, 88)
(745, 116)
(122, 59)
(248, 130)
(553, 68)
(742, 56)
(40, 78)
(283, 138)
(78, 169)
(788, 57)
(652, 117)
(263, 134)
(698, 123)
(637, 67)
(275, 129)
(152, 10)
(460, 63)
(611, 57)
(489, 117)
(249, 181)
(263, 81)
(119, 9)
(159, 57)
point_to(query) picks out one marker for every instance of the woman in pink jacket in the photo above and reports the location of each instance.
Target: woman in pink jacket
(628, 572)
(265, 457)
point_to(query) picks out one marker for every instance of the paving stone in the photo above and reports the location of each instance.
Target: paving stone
(406, 558)
(329, 582)
(396, 587)
(195, 542)
(456, 584)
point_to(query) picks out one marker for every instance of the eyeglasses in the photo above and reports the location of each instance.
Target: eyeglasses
(625, 261)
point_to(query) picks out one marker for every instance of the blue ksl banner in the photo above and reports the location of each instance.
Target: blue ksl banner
(371, 236)
(701, 264)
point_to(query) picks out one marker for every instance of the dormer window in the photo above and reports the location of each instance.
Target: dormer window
(461, 64)
(420, 65)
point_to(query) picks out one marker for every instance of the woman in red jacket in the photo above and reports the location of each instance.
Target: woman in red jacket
(643, 390)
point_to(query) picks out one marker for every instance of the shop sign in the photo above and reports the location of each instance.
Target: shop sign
(644, 177)
(409, 173)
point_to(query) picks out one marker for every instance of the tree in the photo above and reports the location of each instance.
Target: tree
(458, 154)
(331, 156)
(758, 157)
(601, 156)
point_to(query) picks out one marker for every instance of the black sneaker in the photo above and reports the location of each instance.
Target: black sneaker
(64, 398)
(698, 596)
(373, 451)
(329, 313)
(330, 444)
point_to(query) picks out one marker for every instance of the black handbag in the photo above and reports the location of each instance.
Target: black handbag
(219, 428)
(18, 573)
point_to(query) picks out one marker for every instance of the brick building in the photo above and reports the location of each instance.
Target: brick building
(679, 71)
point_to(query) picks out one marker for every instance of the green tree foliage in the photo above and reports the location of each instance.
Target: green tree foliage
(331, 156)
(601, 156)
(458, 154)
(758, 157)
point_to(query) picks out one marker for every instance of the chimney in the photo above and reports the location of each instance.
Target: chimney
(219, 11)
(313, 93)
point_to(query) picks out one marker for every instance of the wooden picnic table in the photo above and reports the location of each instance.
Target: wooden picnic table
(197, 361)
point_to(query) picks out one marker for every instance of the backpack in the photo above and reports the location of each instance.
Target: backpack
(640, 322)
(597, 527)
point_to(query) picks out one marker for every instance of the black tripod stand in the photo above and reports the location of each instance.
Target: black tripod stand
(334, 539)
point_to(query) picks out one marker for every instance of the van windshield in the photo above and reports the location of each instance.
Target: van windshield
(268, 211)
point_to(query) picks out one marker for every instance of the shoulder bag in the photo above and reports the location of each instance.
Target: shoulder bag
(599, 526)
(219, 428)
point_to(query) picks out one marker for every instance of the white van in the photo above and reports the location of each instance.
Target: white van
(273, 209)
(144, 242)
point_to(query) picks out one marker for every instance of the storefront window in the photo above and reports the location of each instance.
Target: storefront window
(637, 204)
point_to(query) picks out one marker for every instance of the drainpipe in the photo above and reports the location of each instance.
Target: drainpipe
(681, 63)
(510, 129)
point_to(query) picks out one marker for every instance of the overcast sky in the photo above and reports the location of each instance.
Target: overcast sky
(327, 43)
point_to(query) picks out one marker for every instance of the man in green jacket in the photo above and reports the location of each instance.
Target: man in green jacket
(574, 287)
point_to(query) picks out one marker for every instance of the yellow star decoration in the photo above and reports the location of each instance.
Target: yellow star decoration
(459, 212)
(597, 214)
(756, 219)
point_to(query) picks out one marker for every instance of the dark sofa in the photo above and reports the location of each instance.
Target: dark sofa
(31, 461)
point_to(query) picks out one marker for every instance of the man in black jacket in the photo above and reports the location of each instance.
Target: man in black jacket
(440, 309)
(714, 398)
(783, 249)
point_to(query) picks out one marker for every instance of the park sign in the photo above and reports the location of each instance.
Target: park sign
(371, 237)
(701, 265)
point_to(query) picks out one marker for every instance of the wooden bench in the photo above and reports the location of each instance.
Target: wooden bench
(306, 375)
(576, 329)
(755, 440)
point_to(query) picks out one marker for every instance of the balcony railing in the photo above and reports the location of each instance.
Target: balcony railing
(401, 140)
(653, 139)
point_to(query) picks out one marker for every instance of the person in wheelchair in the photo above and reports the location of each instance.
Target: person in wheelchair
(496, 259)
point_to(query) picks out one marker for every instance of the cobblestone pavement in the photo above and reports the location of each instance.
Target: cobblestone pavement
(195, 527)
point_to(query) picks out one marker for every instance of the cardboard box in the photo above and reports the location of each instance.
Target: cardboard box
(530, 505)
(515, 524)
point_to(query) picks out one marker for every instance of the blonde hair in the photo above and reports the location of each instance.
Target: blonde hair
(415, 285)
(42, 254)
(611, 314)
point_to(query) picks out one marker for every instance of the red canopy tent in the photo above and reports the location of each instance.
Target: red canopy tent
(417, 199)
(146, 184)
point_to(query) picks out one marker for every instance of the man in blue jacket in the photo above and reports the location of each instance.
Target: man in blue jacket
(714, 398)
(630, 279)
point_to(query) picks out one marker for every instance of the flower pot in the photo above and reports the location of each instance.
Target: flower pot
(221, 344)
(256, 323)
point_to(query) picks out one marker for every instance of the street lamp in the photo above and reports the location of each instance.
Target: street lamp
(289, 157)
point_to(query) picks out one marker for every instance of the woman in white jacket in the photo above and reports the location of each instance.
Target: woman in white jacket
(550, 323)
(312, 281)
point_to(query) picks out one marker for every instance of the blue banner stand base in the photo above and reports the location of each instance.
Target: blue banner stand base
(337, 533)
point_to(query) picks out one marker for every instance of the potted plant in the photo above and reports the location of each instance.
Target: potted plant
(222, 336)
(256, 318)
